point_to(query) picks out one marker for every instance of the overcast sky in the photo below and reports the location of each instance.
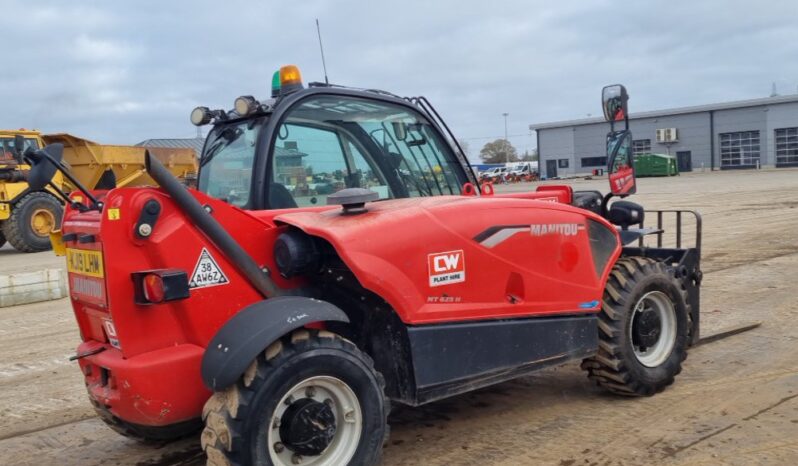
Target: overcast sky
(121, 72)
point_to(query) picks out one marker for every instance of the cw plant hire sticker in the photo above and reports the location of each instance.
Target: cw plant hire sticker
(446, 268)
(207, 272)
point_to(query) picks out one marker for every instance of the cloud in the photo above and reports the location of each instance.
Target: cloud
(121, 72)
(101, 51)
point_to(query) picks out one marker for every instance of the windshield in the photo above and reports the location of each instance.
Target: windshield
(330, 143)
(226, 165)
(7, 149)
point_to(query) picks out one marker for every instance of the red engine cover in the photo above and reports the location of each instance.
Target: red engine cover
(459, 258)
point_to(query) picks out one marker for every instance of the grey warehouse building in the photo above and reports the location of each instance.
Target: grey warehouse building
(743, 134)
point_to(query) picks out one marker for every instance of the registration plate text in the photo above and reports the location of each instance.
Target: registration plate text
(85, 262)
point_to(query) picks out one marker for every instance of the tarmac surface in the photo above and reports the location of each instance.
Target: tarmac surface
(736, 401)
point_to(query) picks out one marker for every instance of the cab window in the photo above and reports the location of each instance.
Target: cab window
(311, 161)
(7, 148)
(227, 160)
(330, 143)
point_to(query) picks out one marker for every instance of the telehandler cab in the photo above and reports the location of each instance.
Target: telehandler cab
(339, 254)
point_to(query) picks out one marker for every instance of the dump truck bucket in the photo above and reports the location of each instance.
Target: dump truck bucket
(88, 161)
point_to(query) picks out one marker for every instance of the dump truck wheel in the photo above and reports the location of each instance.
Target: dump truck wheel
(313, 398)
(145, 434)
(32, 219)
(2, 236)
(643, 329)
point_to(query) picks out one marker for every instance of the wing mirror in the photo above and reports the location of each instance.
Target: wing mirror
(620, 160)
(614, 100)
(620, 163)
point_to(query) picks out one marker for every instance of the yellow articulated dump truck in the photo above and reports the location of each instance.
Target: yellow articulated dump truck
(27, 217)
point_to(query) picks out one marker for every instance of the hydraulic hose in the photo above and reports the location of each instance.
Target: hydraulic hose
(211, 228)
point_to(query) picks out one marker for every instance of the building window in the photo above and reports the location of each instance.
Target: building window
(740, 149)
(562, 163)
(641, 146)
(594, 161)
(787, 146)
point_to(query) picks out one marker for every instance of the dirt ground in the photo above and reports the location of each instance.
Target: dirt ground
(734, 403)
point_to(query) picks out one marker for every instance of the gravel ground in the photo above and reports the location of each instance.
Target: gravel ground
(734, 403)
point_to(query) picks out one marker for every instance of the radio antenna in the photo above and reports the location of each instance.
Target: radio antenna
(321, 47)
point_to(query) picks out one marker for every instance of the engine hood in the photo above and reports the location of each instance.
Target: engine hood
(398, 212)
(390, 246)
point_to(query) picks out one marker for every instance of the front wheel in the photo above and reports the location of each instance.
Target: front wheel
(313, 399)
(32, 219)
(643, 329)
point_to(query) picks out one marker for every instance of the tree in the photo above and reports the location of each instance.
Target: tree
(530, 156)
(498, 151)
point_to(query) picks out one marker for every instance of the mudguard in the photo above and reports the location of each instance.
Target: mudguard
(253, 329)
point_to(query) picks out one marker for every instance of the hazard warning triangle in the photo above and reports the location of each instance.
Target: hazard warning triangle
(207, 272)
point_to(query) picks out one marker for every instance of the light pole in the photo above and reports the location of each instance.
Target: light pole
(506, 152)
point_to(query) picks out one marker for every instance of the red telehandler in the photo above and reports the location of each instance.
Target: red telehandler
(339, 255)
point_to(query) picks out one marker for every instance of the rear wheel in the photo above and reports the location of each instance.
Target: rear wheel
(643, 329)
(32, 219)
(2, 236)
(312, 400)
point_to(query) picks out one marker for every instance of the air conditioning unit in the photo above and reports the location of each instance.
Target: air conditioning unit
(667, 135)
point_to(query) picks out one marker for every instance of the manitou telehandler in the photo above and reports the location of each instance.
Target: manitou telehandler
(339, 255)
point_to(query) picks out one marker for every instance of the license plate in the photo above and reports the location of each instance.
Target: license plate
(85, 262)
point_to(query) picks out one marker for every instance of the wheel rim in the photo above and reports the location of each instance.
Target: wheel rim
(652, 329)
(301, 424)
(42, 222)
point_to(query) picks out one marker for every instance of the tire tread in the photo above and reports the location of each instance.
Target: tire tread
(14, 227)
(607, 367)
(221, 439)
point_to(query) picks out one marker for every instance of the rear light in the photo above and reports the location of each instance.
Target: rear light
(153, 288)
(158, 286)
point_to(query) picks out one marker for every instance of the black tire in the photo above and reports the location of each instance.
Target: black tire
(238, 420)
(17, 229)
(2, 236)
(616, 366)
(145, 434)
